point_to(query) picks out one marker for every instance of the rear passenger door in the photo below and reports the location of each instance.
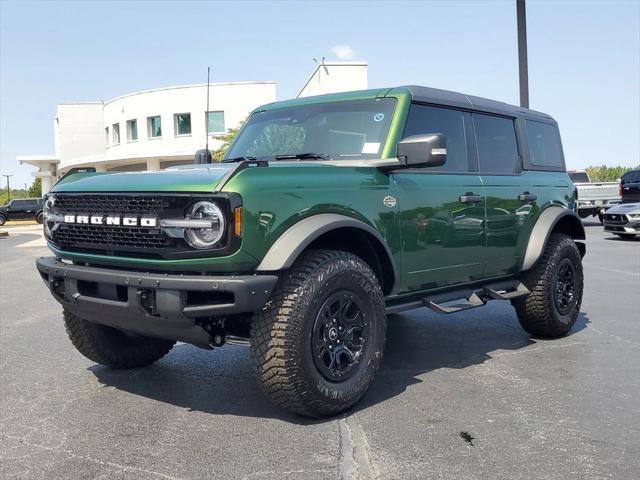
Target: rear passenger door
(441, 208)
(510, 198)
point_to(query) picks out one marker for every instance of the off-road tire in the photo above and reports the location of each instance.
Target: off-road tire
(281, 334)
(39, 217)
(601, 218)
(3, 219)
(626, 236)
(112, 347)
(537, 312)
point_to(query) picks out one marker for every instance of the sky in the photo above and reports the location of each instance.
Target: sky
(584, 58)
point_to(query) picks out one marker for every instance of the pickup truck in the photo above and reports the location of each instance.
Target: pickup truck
(594, 198)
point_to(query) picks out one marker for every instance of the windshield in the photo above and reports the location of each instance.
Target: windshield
(352, 129)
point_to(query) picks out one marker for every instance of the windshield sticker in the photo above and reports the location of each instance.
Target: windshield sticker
(371, 147)
(378, 117)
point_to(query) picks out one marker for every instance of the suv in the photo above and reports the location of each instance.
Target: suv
(630, 187)
(22, 209)
(328, 214)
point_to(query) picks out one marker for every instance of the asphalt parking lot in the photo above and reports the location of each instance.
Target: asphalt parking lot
(567, 408)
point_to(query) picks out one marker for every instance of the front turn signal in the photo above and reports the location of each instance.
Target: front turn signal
(237, 222)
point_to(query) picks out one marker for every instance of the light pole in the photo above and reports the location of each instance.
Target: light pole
(522, 53)
(8, 189)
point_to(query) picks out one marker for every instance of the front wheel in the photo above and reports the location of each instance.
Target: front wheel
(3, 219)
(556, 285)
(39, 217)
(319, 342)
(112, 347)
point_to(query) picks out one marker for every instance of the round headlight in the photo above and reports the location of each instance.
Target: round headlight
(46, 215)
(209, 236)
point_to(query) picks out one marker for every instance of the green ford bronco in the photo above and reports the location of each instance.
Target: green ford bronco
(328, 214)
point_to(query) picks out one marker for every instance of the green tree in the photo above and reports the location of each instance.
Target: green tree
(35, 190)
(604, 173)
(218, 154)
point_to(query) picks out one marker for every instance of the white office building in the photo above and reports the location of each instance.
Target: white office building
(156, 129)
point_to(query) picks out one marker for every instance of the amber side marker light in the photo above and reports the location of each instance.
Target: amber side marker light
(237, 222)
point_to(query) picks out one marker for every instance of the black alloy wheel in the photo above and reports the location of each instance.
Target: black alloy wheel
(339, 335)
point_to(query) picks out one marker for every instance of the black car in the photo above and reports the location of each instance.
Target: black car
(22, 209)
(630, 187)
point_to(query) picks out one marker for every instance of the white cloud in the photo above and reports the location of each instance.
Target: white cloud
(343, 52)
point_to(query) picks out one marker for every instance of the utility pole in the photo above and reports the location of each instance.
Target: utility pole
(523, 67)
(8, 189)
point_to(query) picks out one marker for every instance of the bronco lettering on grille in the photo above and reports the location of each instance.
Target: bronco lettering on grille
(110, 220)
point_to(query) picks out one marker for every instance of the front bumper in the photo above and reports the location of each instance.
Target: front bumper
(618, 223)
(153, 304)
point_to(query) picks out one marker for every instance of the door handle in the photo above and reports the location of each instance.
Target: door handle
(527, 197)
(470, 198)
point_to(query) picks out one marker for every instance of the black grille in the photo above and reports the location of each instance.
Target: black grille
(127, 240)
(615, 219)
(110, 237)
(125, 205)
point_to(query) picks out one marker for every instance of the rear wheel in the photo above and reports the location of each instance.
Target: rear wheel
(112, 347)
(319, 341)
(39, 217)
(556, 284)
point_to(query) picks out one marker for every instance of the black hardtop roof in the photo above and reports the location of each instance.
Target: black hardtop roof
(455, 99)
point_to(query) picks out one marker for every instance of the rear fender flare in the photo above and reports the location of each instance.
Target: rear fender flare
(552, 218)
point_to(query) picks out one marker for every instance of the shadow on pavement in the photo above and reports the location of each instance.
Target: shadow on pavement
(222, 382)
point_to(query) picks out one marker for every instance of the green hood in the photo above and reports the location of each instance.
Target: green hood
(198, 179)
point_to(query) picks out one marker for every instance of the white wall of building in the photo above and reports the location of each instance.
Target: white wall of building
(77, 131)
(334, 77)
(236, 100)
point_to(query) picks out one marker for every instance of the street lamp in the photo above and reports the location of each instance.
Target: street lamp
(522, 53)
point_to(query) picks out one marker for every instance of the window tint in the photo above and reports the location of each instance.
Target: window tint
(578, 177)
(544, 144)
(630, 177)
(497, 146)
(424, 120)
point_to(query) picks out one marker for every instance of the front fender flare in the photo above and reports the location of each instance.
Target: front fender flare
(546, 223)
(298, 237)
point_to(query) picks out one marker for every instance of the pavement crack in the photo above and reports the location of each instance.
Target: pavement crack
(354, 463)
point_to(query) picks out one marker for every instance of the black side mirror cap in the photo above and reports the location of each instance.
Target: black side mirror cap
(429, 150)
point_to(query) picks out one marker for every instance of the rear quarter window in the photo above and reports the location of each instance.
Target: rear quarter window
(543, 140)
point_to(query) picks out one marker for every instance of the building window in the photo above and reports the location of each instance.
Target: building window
(182, 123)
(132, 130)
(154, 126)
(106, 136)
(215, 122)
(116, 133)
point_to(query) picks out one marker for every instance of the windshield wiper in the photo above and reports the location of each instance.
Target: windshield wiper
(239, 159)
(303, 156)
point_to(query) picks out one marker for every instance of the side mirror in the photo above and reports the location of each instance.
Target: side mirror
(428, 150)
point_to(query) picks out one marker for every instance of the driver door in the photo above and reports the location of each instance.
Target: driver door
(442, 209)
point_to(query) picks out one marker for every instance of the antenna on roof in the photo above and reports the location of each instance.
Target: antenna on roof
(204, 156)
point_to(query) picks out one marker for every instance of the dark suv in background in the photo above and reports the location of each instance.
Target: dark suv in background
(630, 187)
(22, 209)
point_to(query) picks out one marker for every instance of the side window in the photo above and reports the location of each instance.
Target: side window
(545, 149)
(497, 145)
(423, 120)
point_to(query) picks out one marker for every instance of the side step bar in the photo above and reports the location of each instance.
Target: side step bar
(465, 298)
